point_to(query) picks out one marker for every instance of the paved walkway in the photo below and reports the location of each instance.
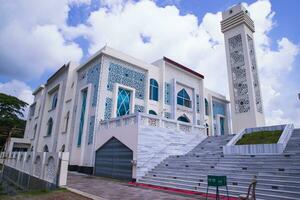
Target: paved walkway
(110, 189)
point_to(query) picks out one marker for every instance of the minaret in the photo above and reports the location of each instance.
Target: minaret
(245, 95)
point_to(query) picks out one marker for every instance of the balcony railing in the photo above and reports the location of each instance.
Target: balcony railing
(152, 121)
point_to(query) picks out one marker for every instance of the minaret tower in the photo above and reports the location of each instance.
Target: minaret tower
(245, 95)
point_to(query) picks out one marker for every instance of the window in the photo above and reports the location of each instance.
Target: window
(50, 125)
(123, 102)
(183, 98)
(153, 90)
(81, 123)
(183, 118)
(46, 148)
(152, 112)
(62, 149)
(32, 110)
(54, 101)
(206, 106)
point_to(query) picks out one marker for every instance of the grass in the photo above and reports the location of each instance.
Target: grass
(260, 137)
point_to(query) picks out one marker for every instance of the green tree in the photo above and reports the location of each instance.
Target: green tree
(11, 114)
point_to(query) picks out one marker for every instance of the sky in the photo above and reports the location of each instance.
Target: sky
(38, 37)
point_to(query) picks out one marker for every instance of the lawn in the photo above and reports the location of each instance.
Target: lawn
(260, 137)
(61, 194)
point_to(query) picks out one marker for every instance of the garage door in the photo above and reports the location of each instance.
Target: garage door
(113, 160)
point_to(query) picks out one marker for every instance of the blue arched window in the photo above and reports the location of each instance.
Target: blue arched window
(50, 125)
(54, 101)
(153, 90)
(152, 112)
(183, 118)
(183, 98)
(206, 106)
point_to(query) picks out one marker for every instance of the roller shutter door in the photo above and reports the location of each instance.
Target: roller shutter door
(113, 160)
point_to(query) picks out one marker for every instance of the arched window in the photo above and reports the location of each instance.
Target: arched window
(153, 90)
(206, 106)
(45, 149)
(183, 118)
(63, 148)
(54, 101)
(183, 98)
(152, 112)
(50, 125)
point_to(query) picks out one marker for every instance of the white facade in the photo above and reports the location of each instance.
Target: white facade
(245, 95)
(75, 99)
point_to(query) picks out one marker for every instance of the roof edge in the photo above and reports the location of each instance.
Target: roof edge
(183, 67)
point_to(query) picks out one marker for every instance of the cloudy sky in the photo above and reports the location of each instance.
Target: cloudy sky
(37, 37)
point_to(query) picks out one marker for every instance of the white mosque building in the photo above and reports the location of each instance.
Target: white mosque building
(114, 112)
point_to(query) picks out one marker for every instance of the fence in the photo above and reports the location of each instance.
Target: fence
(35, 170)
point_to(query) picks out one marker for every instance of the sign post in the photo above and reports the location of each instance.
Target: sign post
(217, 181)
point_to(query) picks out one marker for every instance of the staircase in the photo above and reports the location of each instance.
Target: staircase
(278, 175)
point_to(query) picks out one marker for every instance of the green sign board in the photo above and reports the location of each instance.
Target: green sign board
(216, 181)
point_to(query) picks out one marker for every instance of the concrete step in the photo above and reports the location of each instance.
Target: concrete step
(233, 190)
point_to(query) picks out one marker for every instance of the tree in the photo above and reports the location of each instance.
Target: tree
(11, 114)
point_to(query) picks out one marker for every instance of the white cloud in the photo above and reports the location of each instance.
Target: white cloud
(42, 41)
(31, 39)
(198, 45)
(18, 89)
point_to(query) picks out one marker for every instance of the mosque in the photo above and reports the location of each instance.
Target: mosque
(114, 112)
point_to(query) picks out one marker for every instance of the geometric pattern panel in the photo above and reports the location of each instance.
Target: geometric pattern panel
(256, 85)
(167, 93)
(108, 108)
(38, 166)
(93, 74)
(239, 78)
(129, 77)
(51, 170)
(91, 129)
(138, 108)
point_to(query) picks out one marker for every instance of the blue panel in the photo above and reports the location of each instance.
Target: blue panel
(128, 77)
(167, 94)
(93, 78)
(108, 108)
(91, 129)
(83, 106)
(218, 108)
(138, 108)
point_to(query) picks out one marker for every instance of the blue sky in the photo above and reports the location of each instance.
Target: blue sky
(37, 41)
